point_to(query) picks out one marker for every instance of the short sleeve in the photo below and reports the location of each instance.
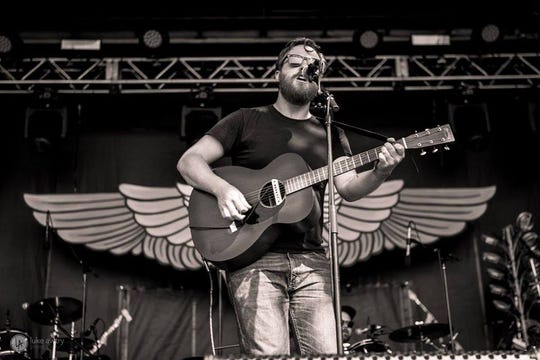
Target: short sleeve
(228, 130)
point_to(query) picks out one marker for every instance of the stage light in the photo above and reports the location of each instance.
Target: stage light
(490, 33)
(6, 45)
(199, 114)
(487, 36)
(154, 39)
(46, 121)
(430, 39)
(10, 44)
(369, 39)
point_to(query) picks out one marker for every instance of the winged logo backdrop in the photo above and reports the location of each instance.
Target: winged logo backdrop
(153, 221)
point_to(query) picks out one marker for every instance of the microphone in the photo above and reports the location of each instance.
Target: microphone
(313, 71)
(92, 328)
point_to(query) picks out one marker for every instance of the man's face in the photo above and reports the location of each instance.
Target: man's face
(346, 326)
(294, 84)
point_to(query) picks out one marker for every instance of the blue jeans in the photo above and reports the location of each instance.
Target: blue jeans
(281, 290)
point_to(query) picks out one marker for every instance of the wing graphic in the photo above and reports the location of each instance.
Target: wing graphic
(380, 220)
(152, 221)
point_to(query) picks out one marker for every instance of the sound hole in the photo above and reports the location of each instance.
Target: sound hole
(271, 195)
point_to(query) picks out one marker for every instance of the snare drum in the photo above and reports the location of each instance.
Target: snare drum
(370, 346)
(14, 345)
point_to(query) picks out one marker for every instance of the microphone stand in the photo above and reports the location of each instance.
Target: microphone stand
(85, 270)
(331, 106)
(442, 264)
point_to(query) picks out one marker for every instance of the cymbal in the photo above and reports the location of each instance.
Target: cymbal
(45, 311)
(72, 345)
(419, 332)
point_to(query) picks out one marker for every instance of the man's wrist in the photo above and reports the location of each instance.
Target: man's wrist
(381, 174)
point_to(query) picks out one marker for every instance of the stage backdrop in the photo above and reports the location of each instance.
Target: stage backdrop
(135, 140)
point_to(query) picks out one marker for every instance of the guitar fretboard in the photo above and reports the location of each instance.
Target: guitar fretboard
(321, 174)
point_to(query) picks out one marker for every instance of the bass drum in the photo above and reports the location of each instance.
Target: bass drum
(367, 346)
(14, 345)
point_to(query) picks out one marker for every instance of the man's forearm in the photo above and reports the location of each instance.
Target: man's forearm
(362, 184)
(198, 173)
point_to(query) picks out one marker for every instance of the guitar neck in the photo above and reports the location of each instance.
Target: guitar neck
(440, 135)
(321, 174)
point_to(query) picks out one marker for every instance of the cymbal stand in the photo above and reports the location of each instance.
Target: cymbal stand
(72, 338)
(85, 270)
(83, 318)
(442, 264)
(55, 334)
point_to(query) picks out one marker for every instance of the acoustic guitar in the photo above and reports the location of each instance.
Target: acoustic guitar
(281, 195)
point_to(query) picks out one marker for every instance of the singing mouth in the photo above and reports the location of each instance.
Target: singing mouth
(302, 78)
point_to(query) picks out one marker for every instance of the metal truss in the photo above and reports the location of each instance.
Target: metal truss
(256, 74)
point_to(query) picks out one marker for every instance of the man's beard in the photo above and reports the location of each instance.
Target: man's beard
(296, 95)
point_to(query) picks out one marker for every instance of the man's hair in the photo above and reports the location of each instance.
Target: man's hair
(295, 42)
(349, 310)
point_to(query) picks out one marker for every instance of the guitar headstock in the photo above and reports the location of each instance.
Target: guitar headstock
(439, 135)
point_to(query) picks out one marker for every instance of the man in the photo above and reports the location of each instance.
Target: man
(347, 315)
(290, 285)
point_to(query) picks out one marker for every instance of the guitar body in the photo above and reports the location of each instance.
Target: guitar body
(234, 247)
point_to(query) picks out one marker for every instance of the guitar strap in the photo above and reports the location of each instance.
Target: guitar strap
(337, 131)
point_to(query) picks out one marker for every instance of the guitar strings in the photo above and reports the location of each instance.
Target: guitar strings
(253, 196)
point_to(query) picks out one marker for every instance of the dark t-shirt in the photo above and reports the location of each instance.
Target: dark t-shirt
(254, 137)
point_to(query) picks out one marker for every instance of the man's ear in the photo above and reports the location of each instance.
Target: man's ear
(276, 74)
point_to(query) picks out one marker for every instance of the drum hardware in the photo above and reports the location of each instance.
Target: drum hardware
(442, 259)
(367, 346)
(55, 310)
(72, 345)
(420, 332)
(14, 344)
(58, 311)
(371, 344)
(373, 330)
(85, 270)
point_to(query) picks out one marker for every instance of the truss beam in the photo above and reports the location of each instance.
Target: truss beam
(255, 74)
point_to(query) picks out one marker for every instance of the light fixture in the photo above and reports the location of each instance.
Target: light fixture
(490, 33)
(80, 44)
(46, 121)
(430, 39)
(368, 39)
(487, 35)
(6, 45)
(154, 39)
(199, 114)
(10, 43)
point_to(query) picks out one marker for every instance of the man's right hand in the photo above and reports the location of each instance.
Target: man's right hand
(231, 202)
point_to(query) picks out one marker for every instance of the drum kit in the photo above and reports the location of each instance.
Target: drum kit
(55, 312)
(419, 333)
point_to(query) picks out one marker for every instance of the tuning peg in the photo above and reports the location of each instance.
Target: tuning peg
(493, 258)
(502, 305)
(423, 153)
(495, 274)
(446, 147)
(498, 290)
(434, 150)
